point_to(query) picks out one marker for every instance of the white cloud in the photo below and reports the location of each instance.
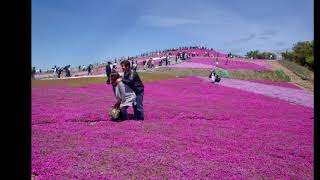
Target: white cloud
(222, 27)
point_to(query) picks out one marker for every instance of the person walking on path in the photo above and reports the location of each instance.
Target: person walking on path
(132, 79)
(108, 72)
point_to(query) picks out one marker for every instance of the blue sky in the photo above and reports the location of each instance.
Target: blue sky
(81, 32)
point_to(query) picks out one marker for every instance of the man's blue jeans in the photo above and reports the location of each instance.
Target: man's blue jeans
(138, 107)
(124, 113)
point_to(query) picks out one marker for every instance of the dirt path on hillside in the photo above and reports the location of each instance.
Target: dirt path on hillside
(305, 84)
(296, 96)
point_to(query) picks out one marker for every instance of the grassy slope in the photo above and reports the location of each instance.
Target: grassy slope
(145, 76)
(303, 72)
(278, 76)
(169, 73)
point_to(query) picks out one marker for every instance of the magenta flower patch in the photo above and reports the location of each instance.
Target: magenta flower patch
(192, 130)
(189, 65)
(231, 64)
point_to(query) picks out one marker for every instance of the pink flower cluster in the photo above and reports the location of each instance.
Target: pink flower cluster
(198, 52)
(190, 65)
(231, 64)
(192, 130)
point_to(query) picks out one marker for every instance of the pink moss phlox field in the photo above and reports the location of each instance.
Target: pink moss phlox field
(198, 52)
(192, 130)
(190, 65)
(231, 64)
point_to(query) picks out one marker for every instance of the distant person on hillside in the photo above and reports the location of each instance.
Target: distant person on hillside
(54, 70)
(33, 72)
(135, 65)
(213, 75)
(67, 70)
(108, 72)
(59, 71)
(149, 63)
(79, 68)
(182, 56)
(114, 67)
(89, 70)
(125, 96)
(68, 73)
(132, 79)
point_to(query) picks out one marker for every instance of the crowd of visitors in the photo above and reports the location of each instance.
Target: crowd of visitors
(183, 54)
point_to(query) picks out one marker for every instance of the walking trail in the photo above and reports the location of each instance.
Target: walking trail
(296, 96)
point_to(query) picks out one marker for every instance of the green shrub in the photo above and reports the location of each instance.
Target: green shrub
(222, 73)
(282, 75)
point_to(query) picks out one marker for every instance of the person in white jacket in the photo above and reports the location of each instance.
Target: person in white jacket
(212, 75)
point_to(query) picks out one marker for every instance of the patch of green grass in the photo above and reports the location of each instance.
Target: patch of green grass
(303, 72)
(277, 76)
(185, 71)
(145, 77)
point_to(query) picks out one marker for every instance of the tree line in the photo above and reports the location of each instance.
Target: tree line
(260, 55)
(301, 53)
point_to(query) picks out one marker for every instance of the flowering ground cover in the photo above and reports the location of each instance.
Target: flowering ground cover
(198, 52)
(231, 64)
(192, 130)
(190, 65)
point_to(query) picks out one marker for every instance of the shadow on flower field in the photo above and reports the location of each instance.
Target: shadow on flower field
(192, 130)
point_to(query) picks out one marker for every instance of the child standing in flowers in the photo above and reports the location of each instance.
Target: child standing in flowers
(125, 96)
